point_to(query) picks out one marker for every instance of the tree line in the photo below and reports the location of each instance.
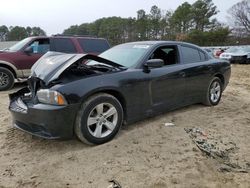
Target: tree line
(195, 23)
(17, 33)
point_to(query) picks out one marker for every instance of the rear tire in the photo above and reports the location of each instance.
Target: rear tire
(7, 79)
(214, 92)
(99, 119)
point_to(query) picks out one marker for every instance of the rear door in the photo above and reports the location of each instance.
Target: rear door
(197, 71)
(64, 45)
(93, 45)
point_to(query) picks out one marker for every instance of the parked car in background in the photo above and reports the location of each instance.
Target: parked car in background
(123, 84)
(237, 54)
(16, 61)
(218, 52)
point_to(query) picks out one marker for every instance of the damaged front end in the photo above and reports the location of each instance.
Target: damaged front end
(19, 99)
(33, 111)
(44, 112)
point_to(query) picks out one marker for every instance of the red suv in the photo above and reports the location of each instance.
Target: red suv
(16, 61)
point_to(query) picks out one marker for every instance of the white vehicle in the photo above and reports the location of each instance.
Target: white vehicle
(237, 54)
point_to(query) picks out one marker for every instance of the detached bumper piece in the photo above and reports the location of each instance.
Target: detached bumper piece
(18, 106)
(43, 120)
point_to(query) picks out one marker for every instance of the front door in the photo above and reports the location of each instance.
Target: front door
(26, 60)
(167, 85)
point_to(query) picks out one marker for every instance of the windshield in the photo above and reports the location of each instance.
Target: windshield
(16, 47)
(126, 55)
(238, 49)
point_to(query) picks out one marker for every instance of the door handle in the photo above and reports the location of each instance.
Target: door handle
(182, 74)
(210, 68)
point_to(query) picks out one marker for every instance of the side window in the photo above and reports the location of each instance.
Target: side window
(168, 54)
(40, 46)
(190, 55)
(63, 45)
(93, 45)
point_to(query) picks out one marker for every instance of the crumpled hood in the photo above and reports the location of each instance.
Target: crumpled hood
(52, 64)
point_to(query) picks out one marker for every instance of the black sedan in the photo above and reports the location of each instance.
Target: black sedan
(92, 96)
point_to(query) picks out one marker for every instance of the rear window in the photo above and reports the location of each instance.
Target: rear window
(93, 45)
(63, 45)
(190, 55)
(203, 56)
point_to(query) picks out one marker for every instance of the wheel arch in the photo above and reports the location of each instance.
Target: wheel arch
(118, 95)
(221, 77)
(9, 67)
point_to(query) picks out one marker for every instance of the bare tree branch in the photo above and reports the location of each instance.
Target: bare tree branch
(240, 13)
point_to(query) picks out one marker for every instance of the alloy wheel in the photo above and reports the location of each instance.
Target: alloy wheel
(4, 79)
(215, 91)
(102, 120)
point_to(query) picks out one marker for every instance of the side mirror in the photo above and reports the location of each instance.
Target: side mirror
(28, 50)
(153, 63)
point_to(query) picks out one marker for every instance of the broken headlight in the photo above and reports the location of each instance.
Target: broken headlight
(50, 97)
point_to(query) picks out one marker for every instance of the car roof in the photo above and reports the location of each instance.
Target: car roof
(162, 42)
(66, 36)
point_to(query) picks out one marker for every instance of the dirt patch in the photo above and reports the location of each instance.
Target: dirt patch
(145, 154)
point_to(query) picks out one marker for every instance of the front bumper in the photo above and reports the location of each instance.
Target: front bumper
(238, 59)
(43, 120)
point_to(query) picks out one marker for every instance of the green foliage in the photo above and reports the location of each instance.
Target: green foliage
(182, 18)
(36, 31)
(202, 11)
(209, 38)
(72, 30)
(113, 29)
(141, 25)
(18, 33)
(193, 23)
(3, 32)
(154, 22)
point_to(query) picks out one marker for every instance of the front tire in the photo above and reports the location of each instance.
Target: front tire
(7, 79)
(214, 92)
(99, 119)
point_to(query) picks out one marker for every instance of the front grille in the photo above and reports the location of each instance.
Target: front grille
(237, 58)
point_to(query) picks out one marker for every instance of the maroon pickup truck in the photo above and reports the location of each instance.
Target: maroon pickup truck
(16, 61)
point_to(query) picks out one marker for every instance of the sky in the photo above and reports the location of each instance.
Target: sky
(54, 16)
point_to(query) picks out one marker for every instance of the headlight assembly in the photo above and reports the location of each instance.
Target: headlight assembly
(51, 97)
